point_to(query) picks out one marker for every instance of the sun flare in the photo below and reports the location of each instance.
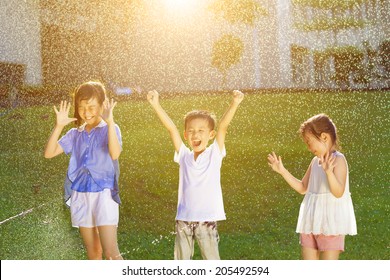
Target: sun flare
(180, 6)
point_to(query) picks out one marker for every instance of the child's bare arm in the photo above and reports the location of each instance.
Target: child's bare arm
(336, 172)
(114, 147)
(153, 98)
(275, 162)
(238, 96)
(52, 148)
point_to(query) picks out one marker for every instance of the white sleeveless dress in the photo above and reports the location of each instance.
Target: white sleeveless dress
(321, 212)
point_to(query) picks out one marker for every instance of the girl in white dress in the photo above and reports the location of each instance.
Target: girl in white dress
(326, 214)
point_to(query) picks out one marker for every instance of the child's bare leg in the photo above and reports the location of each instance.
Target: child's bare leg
(108, 239)
(310, 253)
(92, 243)
(330, 255)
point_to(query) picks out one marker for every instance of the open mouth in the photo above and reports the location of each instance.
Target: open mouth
(196, 143)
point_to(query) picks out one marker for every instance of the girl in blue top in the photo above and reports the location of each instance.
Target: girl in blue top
(92, 177)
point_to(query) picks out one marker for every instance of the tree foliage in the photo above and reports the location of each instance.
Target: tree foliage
(347, 62)
(238, 11)
(227, 51)
(328, 15)
(325, 24)
(329, 4)
(384, 55)
(334, 16)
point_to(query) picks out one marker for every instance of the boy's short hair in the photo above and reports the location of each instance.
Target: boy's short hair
(201, 114)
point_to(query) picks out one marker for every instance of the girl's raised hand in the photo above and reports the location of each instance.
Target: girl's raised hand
(153, 97)
(63, 114)
(238, 96)
(328, 162)
(108, 107)
(275, 162)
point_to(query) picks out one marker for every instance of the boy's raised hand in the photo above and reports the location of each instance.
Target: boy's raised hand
(108, 107)
(153, 97)
(275, 162)
(238, 96)
(63, 114)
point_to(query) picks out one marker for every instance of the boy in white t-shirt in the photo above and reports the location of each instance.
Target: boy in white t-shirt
(200, 203)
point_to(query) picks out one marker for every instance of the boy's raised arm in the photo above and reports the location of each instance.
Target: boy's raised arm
(238, 96)
(153, 98)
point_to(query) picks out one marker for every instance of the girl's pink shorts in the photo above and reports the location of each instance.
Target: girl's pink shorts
(322, 242)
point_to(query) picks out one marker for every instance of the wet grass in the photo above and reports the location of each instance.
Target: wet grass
(261, 209)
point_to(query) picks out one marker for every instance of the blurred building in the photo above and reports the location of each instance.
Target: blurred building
(364, 25)
(156, 45)
(20, 43)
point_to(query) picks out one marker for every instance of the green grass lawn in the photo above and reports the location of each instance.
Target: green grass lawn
(261, 208)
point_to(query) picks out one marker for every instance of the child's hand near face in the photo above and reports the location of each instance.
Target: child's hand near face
(328, 163)
(63, 114)
(153, 97)
(108, 107)
(238, 96)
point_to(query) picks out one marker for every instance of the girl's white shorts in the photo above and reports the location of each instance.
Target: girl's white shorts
(93, 209)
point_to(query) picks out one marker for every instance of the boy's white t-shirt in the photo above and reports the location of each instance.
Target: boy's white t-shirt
(200, 192)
